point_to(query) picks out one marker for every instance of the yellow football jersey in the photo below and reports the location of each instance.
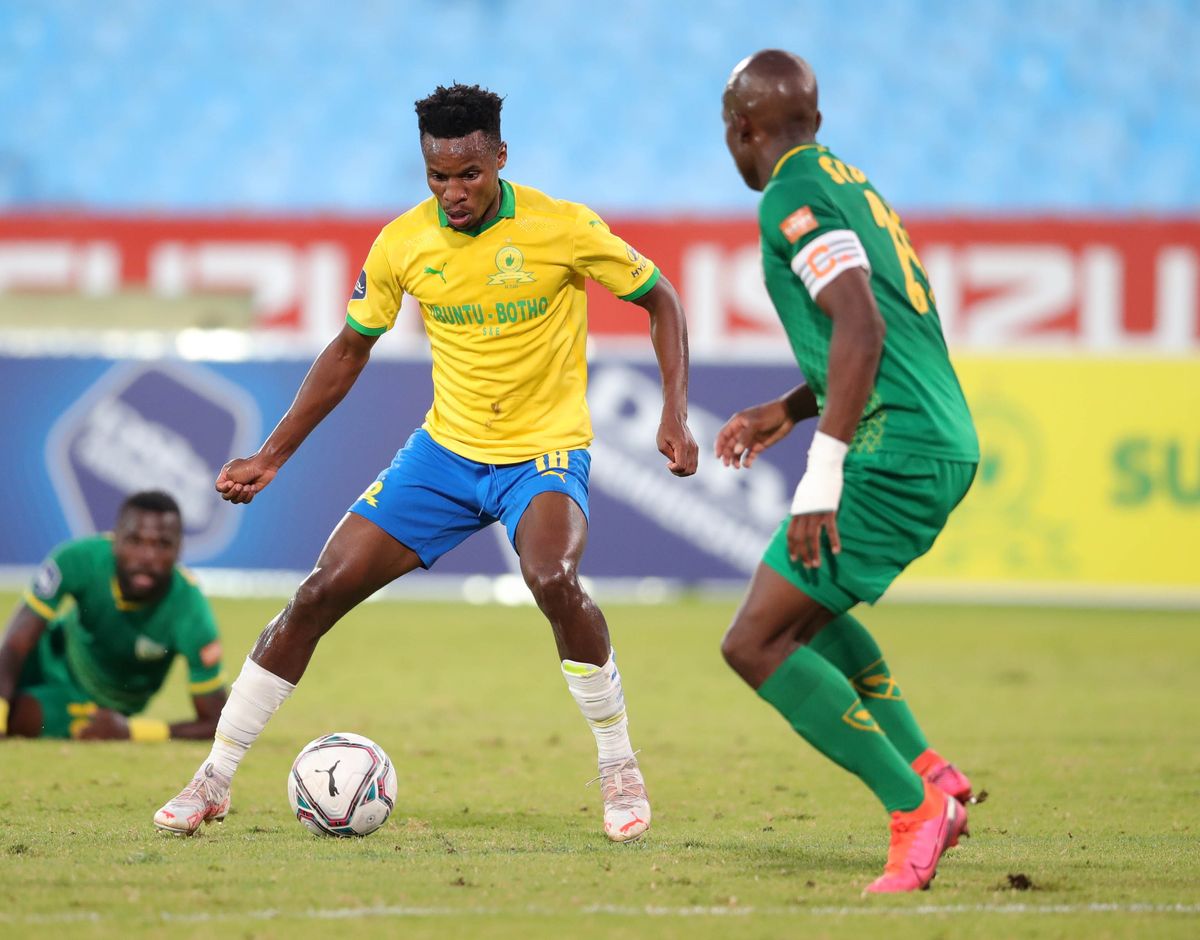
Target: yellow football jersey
(506, 313)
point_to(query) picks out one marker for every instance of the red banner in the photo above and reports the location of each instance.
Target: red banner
(1098, 285)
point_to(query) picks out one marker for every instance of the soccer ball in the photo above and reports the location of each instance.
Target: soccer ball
(342, 784)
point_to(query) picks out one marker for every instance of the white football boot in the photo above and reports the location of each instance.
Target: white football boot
(203, 800)
(626, 806)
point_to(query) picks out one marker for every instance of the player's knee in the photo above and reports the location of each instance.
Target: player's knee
(554, 586)
(316, 603)
(737, 651)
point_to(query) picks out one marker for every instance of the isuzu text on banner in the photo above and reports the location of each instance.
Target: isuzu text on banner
(1079, 286)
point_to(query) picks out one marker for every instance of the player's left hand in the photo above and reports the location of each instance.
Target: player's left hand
(804, 537)
(675, 442)
(105, 725)
(815, 503)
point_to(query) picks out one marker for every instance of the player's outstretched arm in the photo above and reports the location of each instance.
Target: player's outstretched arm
(854, 353)
(752, 430)
(108, 725)
(332, 375)
(24, 630)
(668, 333)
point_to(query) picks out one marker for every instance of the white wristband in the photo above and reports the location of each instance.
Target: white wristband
(820, 489)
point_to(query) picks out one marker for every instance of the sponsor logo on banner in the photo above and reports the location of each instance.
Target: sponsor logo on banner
(168, 426)
(1157, 468)
(729, 516)
(1090, 284)
(1065, 500)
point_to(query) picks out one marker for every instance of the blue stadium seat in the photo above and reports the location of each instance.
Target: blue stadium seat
(282, 105)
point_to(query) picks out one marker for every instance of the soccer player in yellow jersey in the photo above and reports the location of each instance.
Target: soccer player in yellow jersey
(499, 272)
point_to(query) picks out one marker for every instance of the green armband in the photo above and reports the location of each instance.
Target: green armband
(148, 729)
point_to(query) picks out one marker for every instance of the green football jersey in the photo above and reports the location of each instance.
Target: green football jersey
(819, 216)
(117, 650)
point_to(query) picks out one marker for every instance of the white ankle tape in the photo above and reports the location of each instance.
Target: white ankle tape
(597, 690)
(255, 696)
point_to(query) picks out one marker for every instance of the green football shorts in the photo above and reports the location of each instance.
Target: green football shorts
(46, 678)
(892, 509)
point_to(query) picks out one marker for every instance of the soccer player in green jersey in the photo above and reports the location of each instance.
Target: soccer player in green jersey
(894, 452)
(97, 632)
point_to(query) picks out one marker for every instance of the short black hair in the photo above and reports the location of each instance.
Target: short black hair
(150, 501)
(458, 111)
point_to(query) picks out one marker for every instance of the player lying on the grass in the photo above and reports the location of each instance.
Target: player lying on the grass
(97, 632)
(894, 452)
(499, 272)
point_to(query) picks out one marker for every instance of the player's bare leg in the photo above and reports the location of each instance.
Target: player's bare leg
(767, 645)
(551, 538)
(774, 620)
(358, 560)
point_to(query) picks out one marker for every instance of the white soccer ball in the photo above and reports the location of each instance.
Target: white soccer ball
(342, 784)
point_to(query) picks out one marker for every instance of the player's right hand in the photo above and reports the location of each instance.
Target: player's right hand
(104, 725)
(751, 431)
(243, 478)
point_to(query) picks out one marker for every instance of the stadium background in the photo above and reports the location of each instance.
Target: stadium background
(186, 198)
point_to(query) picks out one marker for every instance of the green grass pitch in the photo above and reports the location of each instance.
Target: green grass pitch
(1082, 726)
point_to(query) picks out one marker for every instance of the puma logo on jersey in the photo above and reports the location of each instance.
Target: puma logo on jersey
(557, 460)
(440, 272)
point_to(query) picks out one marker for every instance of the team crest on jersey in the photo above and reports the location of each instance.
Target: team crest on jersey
(510, 270)
(798, 224)
(47, 579)
(147, 649)
(360, 286)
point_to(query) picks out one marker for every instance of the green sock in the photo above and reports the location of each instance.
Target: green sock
(825, 710)
(850, 647)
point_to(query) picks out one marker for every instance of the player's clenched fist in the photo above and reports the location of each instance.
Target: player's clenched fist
(243, 477)
(675, 442)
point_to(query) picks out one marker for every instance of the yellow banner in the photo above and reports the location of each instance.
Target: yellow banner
(1090, 476)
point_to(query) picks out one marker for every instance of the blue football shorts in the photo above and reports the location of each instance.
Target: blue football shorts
(431, 499)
